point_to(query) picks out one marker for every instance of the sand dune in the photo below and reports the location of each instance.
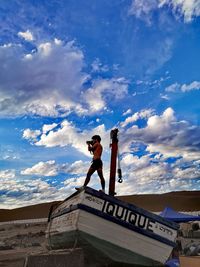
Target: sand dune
(180, 201)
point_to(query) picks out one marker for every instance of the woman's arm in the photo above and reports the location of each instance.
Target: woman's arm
(92, 148)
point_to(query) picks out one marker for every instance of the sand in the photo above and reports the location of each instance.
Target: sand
(19, 240)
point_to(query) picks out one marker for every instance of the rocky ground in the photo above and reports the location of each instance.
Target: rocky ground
(19, 240)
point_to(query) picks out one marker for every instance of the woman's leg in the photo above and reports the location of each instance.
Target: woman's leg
(100, 173)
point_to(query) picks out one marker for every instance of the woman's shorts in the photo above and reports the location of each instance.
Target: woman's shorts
(97, 164)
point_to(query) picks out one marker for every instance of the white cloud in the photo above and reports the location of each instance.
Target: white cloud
(127, 112)
(174, 150)
(187, 8)
(48, 168)
(31, 134)
(77, 167)
(135, 162)
(187, 173)
(48, 127)
(68, 134)
(97, 66)
(143, 9)
(45, 49)
(49, 81)
(192, 86)
(7, 174)
(164, 134)
(58, 42)
(173, 87)
(75, 182)
(176, 87)
(27, 35)
(141, 175)
(143, 114)
(145, 175)
(166, 97)
(96, 96)
(26, 192)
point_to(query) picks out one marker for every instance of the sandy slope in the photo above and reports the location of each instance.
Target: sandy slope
(180, 201)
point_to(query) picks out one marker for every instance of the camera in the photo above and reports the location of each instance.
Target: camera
(89, 142)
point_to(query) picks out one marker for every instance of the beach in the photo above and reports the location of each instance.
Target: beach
(20, 239)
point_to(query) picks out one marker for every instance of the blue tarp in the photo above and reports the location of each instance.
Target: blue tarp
(172, 215)
(173, 263)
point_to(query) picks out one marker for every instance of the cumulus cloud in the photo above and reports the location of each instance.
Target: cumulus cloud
(47, 168)
(27, 35)
(7, 174)
(25, 192)
(20, 192)
(46, 83)
(67, 134)
(141, 174)
(162, 137)
(49, 81)
(166, 135)
(78, 167)
(143, 114)
(31, 134)
(191, 172)
(96, 96)
(146, 174)
(162, 134)
(50, 168)
(48, 127)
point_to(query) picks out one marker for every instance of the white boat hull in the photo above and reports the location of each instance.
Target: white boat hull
(89, 221)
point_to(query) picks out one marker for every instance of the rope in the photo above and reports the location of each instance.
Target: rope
(119, 170)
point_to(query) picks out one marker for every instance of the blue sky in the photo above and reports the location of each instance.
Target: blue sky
(72, 69)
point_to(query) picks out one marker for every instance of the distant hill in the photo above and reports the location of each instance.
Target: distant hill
(180, 201)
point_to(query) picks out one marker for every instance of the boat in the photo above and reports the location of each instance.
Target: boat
(109, 228)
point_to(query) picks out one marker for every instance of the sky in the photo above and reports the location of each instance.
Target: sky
(72, 69)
